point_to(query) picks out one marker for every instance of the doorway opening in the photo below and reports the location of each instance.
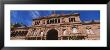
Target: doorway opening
(52, 35)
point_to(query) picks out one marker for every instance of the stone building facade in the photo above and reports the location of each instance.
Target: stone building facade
(58, 27)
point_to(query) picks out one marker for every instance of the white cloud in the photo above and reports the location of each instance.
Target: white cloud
(34, 14)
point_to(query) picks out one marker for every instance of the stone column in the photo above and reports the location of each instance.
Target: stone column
(61, 21)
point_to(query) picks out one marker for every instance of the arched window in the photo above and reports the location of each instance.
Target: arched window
(75, 29)
(58, 20)
(50, 21)
(43, 21)
(55, 20)
(35, 23)
(64, 32)
(47, 21)
(71, 19)
(42, 33)
(35, 32)
(74, 19)
(63, 20)
(89, 30)
(30, 32)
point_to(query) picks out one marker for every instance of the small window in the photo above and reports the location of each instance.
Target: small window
(74, 30)
(74, 19)
(58, 20)
(35, 23)
(55, 20)
(38, 22)
(88, 27)
(71, 19)
(44, 22)
(63, 20)
(47, 21)
(89, 30)
(52, 21)
(63, 29)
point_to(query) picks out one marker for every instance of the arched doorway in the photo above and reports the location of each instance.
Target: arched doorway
(52, 35)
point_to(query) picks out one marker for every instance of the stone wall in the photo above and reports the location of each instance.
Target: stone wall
(69, 28)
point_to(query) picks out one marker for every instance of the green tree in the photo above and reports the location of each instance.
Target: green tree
(17, 25)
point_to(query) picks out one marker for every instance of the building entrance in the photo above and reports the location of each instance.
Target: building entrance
(52, 35)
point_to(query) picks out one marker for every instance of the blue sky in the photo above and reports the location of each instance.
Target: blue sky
(26, 16)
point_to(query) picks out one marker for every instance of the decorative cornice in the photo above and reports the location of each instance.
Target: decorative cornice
(57, 16)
